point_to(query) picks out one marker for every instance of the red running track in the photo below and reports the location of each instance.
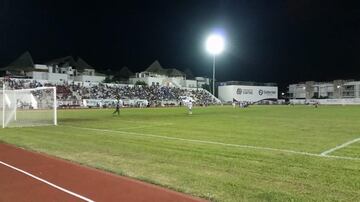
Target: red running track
(82, 183)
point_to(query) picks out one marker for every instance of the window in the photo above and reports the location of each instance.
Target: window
(349, 91)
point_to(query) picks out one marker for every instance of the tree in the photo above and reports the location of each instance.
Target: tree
(107, 79)
(206, 87)
(140, 83)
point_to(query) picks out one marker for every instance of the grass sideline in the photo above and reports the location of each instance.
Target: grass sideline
(216, 172)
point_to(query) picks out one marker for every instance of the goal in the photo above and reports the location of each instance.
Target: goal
(28, 107)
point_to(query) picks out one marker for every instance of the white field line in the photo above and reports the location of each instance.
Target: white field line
(217, 143)
(46, 182)
(135, 127)
(339, 147)
(144, 122)
(147, 126)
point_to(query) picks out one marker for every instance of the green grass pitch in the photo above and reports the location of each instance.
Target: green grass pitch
(261, 153)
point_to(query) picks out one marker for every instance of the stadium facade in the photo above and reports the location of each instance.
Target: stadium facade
(337, 89)
(65, 69)
(155, 74)
(247, 91)
(78, 84)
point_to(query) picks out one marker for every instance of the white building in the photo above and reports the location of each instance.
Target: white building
(202, 81)
(325, 90)
(155, 74)
(64, 69)
(247, 91)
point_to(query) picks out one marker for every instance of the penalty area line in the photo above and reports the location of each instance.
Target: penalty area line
(325, 153)
(217, 143)
(131, 128)
(46, 182)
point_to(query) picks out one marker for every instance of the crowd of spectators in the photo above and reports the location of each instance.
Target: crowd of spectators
(153, 94)
(43, 97)
(204, 97)
(22, 83)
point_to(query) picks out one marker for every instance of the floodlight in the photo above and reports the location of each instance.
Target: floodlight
(215, 44)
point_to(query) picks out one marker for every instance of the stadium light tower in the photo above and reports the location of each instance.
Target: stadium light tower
(214, 45)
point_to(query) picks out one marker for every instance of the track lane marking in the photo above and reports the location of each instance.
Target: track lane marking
(47, 182)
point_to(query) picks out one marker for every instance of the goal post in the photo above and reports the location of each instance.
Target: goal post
(2, 104)
(28, 107)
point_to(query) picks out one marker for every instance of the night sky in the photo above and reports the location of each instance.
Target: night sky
(267, 41)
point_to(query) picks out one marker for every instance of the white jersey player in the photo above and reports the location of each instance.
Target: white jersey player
(190, 105)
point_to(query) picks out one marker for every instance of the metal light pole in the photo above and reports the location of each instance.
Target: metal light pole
(213, 88)
(214, 45)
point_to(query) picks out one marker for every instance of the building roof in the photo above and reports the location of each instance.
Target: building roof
(24, 62)
(78, 64)
(156, 67)
(63, 60)
(174, 72)
(82, 64)
(125, 72)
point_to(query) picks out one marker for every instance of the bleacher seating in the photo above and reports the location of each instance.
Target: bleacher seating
(154, 94)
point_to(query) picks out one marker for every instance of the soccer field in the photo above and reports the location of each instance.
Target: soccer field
(260, 153)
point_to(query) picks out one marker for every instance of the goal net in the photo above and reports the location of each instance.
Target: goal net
(28, 107)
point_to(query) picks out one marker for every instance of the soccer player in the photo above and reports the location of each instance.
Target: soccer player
(190, 105)
(117, 108)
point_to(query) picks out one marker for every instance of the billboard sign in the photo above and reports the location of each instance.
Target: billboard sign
(247, 93)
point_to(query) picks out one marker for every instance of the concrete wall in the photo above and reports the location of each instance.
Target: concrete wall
(94, 79)
(297, 90)
(177, 81)
(149, 80)
(38, 75)
(56, 77)
(52, 77)
(190, 83)
(41, 67)
(164, 81)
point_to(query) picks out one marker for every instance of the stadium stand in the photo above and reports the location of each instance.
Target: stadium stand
(72, 94)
